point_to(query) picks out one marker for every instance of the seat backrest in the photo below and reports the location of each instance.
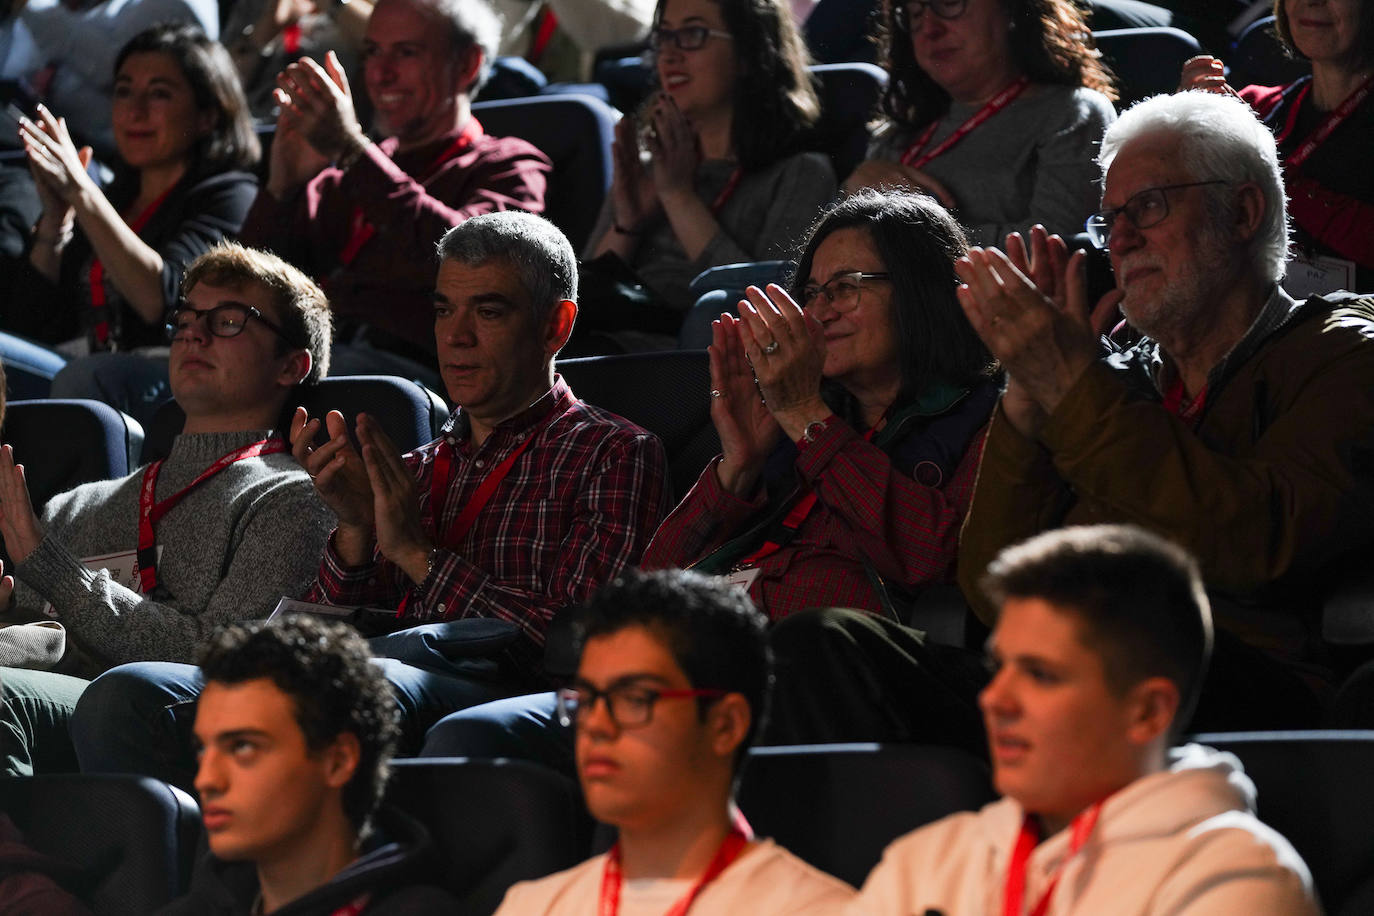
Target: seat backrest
(494, 822)
(1259, 58)
(575, 132)
(409, 412)
(65, 443)
(838, 806)
(138, 835)
(667, 393)
(849, 96)
(1146, 61)
(1314, 787)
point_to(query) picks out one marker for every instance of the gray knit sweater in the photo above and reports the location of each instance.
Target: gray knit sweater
(235, 545)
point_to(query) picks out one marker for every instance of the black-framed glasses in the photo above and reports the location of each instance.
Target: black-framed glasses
(687, 38)
(1142, 210)
(226, 320)
(910, 13)
(629, 705)
(842, 291)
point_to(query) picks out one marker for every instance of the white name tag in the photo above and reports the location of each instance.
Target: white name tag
(744, 578)
(122, 568)
(294, 606)
(1317, 276)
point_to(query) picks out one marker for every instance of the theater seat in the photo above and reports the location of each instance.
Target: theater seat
(1146, 61)
(849, 96)
(135, 837)
(495, 822)
(667, 393)
(1315, 789)
(1259, 59)
(839, 805)
(575, 132)
(409, 413)
(64, 443)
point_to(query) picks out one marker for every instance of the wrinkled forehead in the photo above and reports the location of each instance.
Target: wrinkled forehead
(1148, 161)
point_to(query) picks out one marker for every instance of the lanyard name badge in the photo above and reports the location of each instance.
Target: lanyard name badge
(613, 877)
(361, 231)
(916, 159)
(150, 512)
(1026, 841)
(96, 277)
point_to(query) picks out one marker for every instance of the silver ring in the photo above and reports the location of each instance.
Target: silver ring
(771, 348)
(716, 393)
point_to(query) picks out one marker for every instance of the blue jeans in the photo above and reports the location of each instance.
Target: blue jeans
(138, 718)
(521, 728)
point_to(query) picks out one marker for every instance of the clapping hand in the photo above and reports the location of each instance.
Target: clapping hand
(58, 167)
(746, 428)
(19, 526)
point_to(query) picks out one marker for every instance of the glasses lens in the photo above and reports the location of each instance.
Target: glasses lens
(1147, 208)
(657, 37)
(692, 37)
(810, 294)
(630, 706)
(228, 320)
(948, 9)
(846, 289)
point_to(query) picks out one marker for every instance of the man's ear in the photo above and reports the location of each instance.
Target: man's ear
(1251, 210)
(295, 369)
(466, 68)
(559, 326)
(729, 721)
(340, 759)
(1153, 706)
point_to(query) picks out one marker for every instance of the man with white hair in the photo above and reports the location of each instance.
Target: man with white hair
(1241, 426)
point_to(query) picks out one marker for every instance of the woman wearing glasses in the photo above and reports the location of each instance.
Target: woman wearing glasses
(103, 267)
(850, 431)
(994, 107)
(723, 182)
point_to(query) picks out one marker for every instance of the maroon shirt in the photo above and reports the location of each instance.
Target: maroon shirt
(411, 200)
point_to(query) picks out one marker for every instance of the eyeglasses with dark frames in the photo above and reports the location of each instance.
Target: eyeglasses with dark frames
(687, 38)
(629, 705)
(841, 292)
(1142, 210)
(909, 15)
(226, 320)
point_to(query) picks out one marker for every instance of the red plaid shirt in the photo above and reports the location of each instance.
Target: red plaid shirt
(576, 508)
(866, 510)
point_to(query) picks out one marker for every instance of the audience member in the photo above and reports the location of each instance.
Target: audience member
(725, 182)
(103, 270)
(682, 664)
(294, 731)
(1240, 426)
(995, 108)
(1324, 127)
(1102, 637)
(367, 222)
(147, 566)
(66, 53)
(527, 503)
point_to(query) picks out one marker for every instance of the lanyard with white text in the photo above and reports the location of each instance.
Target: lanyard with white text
(151, 512)
(1324, 130)
(730, 848)
(363, 231)
(918, 160)
(1026, 841)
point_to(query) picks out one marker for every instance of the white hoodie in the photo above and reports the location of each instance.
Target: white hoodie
(1181, 841)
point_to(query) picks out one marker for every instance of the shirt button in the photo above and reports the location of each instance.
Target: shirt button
(520, 437)
(451, 441)
(440, 607)
(372, 581)
(480, 462)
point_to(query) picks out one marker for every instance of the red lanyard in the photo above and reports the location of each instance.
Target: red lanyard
(918, 160)
(1324, 129)
(97, 273)
(794, 518)
(362, 231)
(1026, 842)
(1173, 402)
(354, 907)
(151, 512)
(291, 38)
(613, 877)
(439, 484)
(728, 191)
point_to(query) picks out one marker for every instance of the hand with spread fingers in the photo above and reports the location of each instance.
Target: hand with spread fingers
(338, 471)
(58, 167)
(395, 506)
(633, 196)
(320, 104)
(786, 347)
(19, 526)
(674, 147)
(1031, 312)
(746, 428)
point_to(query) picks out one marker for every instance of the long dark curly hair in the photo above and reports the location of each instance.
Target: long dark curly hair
(1050, 40)
(775, 101)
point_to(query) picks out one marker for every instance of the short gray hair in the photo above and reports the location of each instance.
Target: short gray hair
(539, 252)
(470, 22)
(1219, 138)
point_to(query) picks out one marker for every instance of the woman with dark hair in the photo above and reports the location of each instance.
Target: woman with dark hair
(1324, 125)
(850, 425)
(995, 107)
(724, 182)
(103, 267)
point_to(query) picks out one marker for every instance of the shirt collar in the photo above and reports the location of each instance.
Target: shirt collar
(557, 399)
(1274, 314)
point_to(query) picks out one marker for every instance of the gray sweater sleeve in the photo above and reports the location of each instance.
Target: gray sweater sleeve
(276, 549)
